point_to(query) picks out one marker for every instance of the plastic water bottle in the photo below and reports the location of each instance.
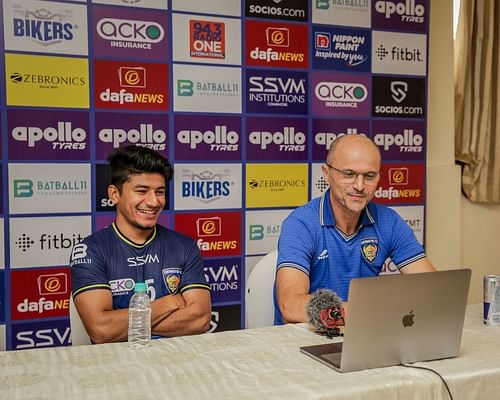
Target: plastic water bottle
(139, 318)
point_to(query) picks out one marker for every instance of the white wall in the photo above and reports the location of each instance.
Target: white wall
(459, 233)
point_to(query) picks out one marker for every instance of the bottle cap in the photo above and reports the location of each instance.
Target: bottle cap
(140, 287)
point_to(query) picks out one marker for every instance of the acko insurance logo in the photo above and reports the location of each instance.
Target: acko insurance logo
(46, 81)
(131, 86)
(207, 89)
(275, 44)
(49, 188)
(45, 27)
(283, 92)
(339, 94)
(345, 13)
(341, 49)
(203, 186)
(294, 10)
(276, 185)
(398, 97)
(54, 333)
(216, 234)
(401, 184)
(48, 135)
(40, 293)
(326, 131)
(400, 15)
(277, 139)
(400, 140)
(132, 33)
(224, 277)
(45, 241)
(399, 53)
(262, 230)
(115, 129)
(207, 137)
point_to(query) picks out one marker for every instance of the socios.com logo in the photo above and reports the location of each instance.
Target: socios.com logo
(130, 30)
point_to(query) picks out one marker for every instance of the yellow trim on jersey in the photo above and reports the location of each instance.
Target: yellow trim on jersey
(138, 246)
(195, 286)
(96, 286)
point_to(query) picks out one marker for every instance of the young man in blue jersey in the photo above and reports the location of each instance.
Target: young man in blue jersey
(108, 263)
(341, 235)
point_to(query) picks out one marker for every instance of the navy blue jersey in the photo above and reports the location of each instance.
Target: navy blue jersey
(169, 263)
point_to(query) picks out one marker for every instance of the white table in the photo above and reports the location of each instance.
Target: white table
(262, 363)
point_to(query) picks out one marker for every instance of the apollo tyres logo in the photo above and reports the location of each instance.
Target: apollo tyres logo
(126, 32)
(400, 139)
(40, 293)
(400, 15)
(276, 44)
(46, 27)
(125, 85)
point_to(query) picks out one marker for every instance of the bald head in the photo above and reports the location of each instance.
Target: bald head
(352, 145)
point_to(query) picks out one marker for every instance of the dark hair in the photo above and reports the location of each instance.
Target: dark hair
(132, 160)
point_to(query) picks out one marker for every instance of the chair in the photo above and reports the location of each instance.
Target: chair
(259, 306)
(79, 335)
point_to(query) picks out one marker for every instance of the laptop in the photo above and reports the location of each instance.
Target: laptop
(399, 319)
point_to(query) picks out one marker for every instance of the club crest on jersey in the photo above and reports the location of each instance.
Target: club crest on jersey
(369, 249)
(171, 279)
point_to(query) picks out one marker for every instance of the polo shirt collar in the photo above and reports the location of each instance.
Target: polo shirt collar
(327, 218)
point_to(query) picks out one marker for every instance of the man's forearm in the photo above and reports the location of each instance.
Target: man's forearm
(293, 309)
(192, 319)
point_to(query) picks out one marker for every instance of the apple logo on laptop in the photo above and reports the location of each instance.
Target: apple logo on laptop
(408, 319)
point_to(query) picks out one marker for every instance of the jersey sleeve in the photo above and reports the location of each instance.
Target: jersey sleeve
(193, 276)
(88, 268)
(405, 247)
(296, 244)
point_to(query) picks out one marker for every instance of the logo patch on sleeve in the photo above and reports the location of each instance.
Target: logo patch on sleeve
(172, 279)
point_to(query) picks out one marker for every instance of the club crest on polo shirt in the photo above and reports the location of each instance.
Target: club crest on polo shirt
(369, 249)
(172, 279)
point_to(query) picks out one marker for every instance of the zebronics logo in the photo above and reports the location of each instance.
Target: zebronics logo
(208, 39)
(48, 81)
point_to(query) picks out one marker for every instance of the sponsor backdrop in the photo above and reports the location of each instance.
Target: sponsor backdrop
(244, 97)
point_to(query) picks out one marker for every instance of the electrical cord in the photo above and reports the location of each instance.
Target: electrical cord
(431, 370)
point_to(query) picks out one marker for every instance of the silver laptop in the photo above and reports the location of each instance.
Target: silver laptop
(398, 319)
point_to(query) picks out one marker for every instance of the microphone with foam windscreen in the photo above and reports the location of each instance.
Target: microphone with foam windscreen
(325, 312)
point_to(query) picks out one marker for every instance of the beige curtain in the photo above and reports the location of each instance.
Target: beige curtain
(477, 96)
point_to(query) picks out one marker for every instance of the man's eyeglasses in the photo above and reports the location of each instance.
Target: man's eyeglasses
(350, 176)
